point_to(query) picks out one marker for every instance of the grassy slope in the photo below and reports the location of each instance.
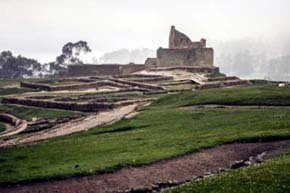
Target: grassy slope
(28, 113)
(158, 132)
(271, 177)
(253, 95)
(154, 135)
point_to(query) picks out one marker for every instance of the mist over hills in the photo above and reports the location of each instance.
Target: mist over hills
(125, 56)
(254, 58)
(247, 58)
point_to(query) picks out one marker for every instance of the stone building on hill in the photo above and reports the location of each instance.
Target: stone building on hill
(182, 52)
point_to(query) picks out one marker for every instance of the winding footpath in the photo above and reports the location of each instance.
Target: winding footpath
(154, 177)
(77, 125)
(149, 178)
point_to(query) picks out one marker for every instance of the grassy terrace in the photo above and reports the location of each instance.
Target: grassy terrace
(270, 177)
(9, 87)
(254, 95)
(28, 113)
(159, 131)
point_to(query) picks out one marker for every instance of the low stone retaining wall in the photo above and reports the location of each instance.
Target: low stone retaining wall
(130, 102)
(86, 107)
(192, 69)
(37, 86)
(138, 84)
(103, 69)
(18, 124)
(162, 78)
(81, 86)
(176, 83)
(222, 78)
(7, 118)
(73, 106)
(44, 124)
(138, 76)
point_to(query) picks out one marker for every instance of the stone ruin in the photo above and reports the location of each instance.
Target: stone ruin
(103, 69)
(182, 52)
(185, 65)
(178, 40)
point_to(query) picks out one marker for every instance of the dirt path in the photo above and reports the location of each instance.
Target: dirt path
(14, 125)
(73, 126)
(154, 176)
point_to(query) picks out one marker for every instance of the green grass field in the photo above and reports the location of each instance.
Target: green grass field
(271, 177)
(10, 91)
(2, 127)
(11, 87)
(159, 131)
(28, 113)
(251, 95)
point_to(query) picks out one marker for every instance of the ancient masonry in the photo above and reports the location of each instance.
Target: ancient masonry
(182, 52)
(185, 65)
(103, 69)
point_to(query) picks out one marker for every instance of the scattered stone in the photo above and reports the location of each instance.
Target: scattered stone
(238, 164)
(221, 169)
(260, 158)
(248, 163)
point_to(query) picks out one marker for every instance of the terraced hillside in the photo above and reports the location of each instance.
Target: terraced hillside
(174, 125)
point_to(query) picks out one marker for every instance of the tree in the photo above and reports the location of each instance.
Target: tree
(17, 67)
(72, 52)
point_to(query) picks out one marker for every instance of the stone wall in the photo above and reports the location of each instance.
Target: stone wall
(137, 84)
(103, 69)
(178, 40)
(79, 86)
(85, 107)
(192, 69)
(7, 118)
(184, 57)
(150, 62)
(131, 68)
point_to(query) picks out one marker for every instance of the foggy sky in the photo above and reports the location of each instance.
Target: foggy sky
(39, 28)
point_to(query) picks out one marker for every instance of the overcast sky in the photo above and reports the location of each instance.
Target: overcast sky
(39, 28)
